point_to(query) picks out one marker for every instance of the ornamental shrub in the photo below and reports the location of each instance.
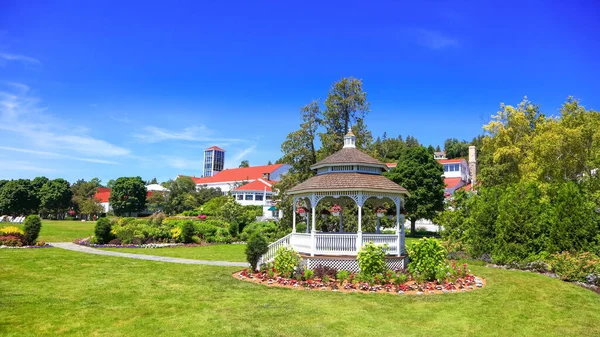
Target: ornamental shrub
(32, 227)
(187, 231)
(575, 267)
(371, 259)
(102, 231)
(286, 261)
(257, 246)
(11, 230)
(11, 240)
(342, 276)
(427, 257)
(321, 271)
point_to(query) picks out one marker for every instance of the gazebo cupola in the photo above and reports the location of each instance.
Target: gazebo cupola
(348, 175)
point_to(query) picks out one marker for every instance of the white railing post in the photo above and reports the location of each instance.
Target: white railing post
(359, 232)
(313, 232)
(294, 217)
(398, 229)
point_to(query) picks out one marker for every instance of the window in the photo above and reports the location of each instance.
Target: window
(269, 197)
(248, 197)
(258, 197)
(240, 197)
(275, 213)
(456, 167)
(446, 168)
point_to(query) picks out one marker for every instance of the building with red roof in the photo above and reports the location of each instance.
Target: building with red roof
(457, 172)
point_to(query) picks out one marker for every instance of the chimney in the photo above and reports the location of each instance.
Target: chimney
(266, 176)
(473, 165)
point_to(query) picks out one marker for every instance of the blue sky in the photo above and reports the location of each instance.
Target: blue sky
(107, 90)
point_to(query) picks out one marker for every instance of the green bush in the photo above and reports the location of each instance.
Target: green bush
(257, 246)
(187, 231)
(32, 227)
(575, 267)
(341, 276)
(371, 259)
(427, 257)
(102, 231)
(286, 261)
(206, 230)
(269, 229)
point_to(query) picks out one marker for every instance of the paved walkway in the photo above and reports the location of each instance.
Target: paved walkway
(89, 250)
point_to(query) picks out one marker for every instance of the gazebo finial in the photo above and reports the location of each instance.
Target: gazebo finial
(350, 140)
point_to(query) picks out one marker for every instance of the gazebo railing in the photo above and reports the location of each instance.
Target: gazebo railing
(380, 239)
(301, 242)
(335, 244)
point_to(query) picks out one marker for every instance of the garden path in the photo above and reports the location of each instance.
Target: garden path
(89, 250)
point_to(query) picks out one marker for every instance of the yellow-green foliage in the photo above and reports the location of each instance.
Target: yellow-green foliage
(11, 230)
(176, 233)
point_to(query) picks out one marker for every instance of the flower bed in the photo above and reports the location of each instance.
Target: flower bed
(86, 242)
(37, 245)
(387, 283)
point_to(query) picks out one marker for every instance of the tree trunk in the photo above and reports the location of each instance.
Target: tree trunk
(413, 224)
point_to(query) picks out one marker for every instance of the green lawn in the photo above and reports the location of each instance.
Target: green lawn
(56, 292)
(214, 252)
(64, 230)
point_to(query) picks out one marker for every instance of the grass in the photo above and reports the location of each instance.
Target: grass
(214, 252)
(64, 230)
(56, 292)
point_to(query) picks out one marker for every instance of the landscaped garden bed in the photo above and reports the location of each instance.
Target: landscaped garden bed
(390, 282)
(14, 237)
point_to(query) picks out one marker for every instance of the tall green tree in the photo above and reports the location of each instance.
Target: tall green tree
(346, 104)
(56, 197)
(36, 187)
(244, 163)
(422, 176)
(299, 146)
(16, 197)
(455, 148)
(128, 195)
(83, 200)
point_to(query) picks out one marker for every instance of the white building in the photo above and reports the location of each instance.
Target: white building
(214, 161)
(249, 185)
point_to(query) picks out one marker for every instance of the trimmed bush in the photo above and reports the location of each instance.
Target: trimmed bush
(256, 247)
(32, 227)
(427, 257)
(575, 267)
(187, 231)
(102, 231)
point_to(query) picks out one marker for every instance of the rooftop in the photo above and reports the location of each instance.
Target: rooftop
(347, 181)
(215, 148)
(349, 155)
(237, 174)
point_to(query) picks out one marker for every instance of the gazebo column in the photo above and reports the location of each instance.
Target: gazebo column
(398, 230)
(294, 217)
(313, 232)
(359, 232)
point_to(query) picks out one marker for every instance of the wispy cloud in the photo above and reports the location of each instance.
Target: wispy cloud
(434, 39)
(241, 155)
(57, 155)
(153, 134)
(183, 163)
(24, 121)
(20, 165)
(19, 58)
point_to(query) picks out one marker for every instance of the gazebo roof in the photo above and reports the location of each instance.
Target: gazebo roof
(349, 155)
(345, 181)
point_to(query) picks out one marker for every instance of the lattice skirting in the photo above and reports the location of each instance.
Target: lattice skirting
(394, 263)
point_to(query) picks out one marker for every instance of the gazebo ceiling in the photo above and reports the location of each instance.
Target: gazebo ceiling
(348, 181)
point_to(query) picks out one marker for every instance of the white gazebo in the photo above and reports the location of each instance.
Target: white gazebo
(345, 177)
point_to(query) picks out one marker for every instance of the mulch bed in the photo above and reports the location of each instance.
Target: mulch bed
(469, 283)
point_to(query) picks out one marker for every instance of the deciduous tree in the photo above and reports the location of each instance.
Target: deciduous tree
(128, 195)
(422, 176)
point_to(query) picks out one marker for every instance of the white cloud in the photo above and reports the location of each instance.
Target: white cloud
(239, 156)
(183, 163)
(25, 122)
(153, 134)
(19, 58)
(57, 155)
(20, 165)
(434, 39)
